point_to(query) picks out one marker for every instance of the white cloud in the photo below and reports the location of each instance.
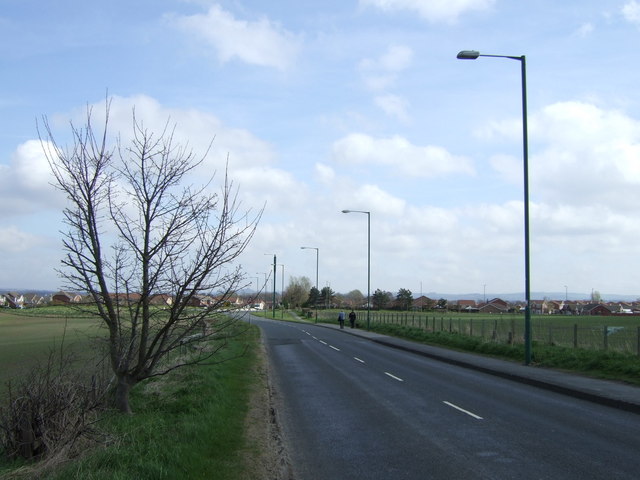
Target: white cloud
(394, 106)
(578, 152)
(382, 72)
(585, 30)
(25, 184)
(270, 186)
(590, 155)
(631, 12)
(193, 128)
(377, 200)
(399, 155)
(261, 42)
(325, 173)
(432, 10)
(13, 240)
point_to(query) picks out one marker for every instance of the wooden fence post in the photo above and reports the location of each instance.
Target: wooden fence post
(605, 337)
(575, 335)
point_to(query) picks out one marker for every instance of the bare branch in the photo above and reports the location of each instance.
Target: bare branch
(135, 229)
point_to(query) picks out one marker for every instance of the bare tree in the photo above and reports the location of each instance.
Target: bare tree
(297, 291)
(355, 299)
(133, 231)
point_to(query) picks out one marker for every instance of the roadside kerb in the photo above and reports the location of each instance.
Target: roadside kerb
(604, 392)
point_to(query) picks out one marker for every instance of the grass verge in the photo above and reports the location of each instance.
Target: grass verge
(187, 425)
(600, 364)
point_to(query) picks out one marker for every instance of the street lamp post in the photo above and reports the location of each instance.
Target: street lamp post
(368, 260)
(472, 55)
(317, 265)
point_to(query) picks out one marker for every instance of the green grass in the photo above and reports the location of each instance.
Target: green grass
(587, 332)
(601, 364)
(188, 425)
(280, 315)
(29, 335)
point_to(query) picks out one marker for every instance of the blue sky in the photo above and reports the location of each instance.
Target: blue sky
(362, 105)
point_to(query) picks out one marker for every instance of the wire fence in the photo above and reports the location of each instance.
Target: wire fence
(620, 334)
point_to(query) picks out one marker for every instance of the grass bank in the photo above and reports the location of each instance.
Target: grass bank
(186, 425)
(601, 364)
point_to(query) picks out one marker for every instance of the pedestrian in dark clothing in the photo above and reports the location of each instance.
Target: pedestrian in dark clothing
(352, 318)
(341, 319)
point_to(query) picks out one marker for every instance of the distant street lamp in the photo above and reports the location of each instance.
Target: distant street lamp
(317, 265)
(472, 55)
(368, 260)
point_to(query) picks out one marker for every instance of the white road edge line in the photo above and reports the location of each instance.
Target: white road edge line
(358, 360)
(335, 348)
(394, 377)
(322, 342)
(477, 417)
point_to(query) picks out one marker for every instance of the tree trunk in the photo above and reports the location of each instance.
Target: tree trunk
(121, 397)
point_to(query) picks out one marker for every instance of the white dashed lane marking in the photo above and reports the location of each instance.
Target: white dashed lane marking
(477, 417)
(394, 377)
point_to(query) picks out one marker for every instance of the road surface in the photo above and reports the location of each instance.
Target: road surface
(354, 409)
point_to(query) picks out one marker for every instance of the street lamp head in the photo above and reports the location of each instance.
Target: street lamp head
(346, 211)
(468, 55)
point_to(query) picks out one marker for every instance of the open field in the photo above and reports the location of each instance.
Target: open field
(192, 423)
(613, 333)
(29, 334)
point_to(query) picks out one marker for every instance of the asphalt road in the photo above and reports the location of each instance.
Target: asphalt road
(353, 409)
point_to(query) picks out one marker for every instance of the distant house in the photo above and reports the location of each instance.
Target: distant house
(422, 303)
(14, 299)
(202, 301)
(555, 306)
(34, 300)
(64, 298)
(126, 298)
(496, 305)
(595, 309)
(466, 306)
(541, 307)
(162, 299)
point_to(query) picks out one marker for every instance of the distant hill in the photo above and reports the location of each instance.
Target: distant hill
(28, 290)
(514, 297)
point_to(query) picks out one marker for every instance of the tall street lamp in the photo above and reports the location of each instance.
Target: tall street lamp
(368, 260)
(317, 265)
(472, 55)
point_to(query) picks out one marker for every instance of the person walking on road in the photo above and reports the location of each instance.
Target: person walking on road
(352, 318)
(341, 319)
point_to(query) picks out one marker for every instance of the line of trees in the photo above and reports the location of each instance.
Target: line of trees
(300, 294)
